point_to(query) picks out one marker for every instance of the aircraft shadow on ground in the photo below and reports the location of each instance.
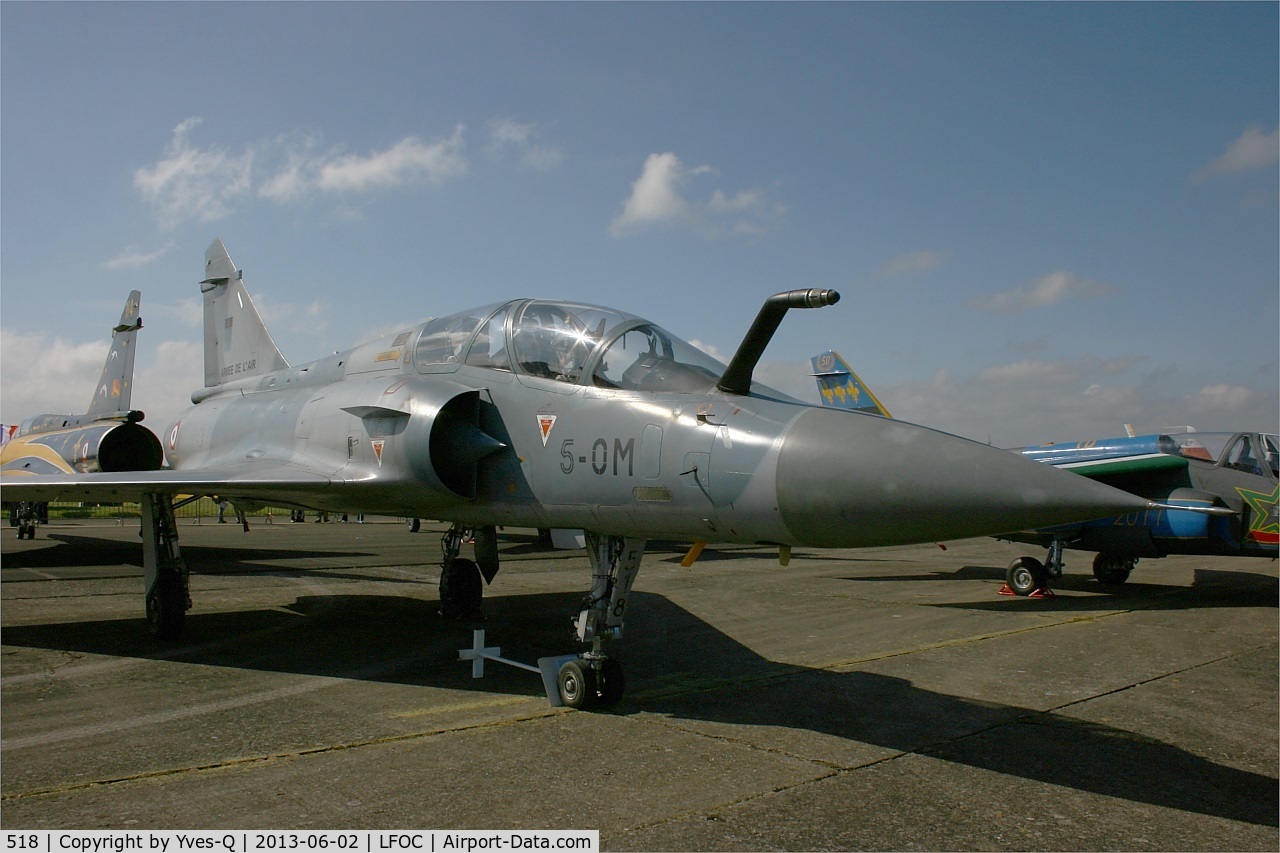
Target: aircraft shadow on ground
(70, 550)
(681, 666)
(75, 551)
(1211, 588)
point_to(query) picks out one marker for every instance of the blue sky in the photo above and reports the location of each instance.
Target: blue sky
(1046, 220)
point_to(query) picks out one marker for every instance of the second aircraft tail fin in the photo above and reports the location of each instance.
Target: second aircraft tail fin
(115, 388)
(842, 388)
(236, 341)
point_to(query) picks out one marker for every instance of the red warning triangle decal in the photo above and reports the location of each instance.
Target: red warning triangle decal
(377, 450)
(545, 423)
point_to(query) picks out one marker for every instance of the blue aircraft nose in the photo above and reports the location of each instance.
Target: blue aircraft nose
(846, 479)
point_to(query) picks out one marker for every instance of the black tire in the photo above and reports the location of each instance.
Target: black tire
(1112, 569)
(415, 524)
(167, 607)
(461, 590)
(1025, 575)
(577, 682)
(612, 683)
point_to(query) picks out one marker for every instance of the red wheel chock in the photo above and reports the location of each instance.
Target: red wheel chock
(1040, 592)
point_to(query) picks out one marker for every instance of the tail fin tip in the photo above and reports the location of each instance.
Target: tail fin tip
(218, 266)
(114, 392)
(237, 343)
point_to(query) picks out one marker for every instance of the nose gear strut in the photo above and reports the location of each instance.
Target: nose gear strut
(595, 680)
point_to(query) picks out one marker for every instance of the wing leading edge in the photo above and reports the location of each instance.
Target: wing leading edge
(277, 483)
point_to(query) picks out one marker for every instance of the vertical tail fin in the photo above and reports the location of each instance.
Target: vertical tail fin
(842, 388)
(236, 342)
(115, 389)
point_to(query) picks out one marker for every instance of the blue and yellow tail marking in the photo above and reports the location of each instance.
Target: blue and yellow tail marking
(840, 387)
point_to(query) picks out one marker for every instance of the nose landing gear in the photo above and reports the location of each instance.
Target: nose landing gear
(1028, 576)
(591, 681)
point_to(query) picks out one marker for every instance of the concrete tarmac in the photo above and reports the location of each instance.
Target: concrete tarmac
(879, 699)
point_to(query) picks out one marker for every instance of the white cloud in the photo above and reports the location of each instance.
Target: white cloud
(1017, 404)
(291, 318)
(296, 177)
(711, 350)
(658, 198)
(406, 162)
(1220, 398)
(914, 262)
(1035, 373)
(507, 134)
(384, 331)
(193, 183)
(131, 258)
(39, 375)
(745, 201)
(1033, 401)
(1046, 290)
(1251, 151)
(189, 311)
(655, 195)
(164, 379)
(506, 131)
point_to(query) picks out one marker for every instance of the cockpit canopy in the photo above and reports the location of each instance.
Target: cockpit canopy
(44, 423)
(566, 342)
(1253, 453)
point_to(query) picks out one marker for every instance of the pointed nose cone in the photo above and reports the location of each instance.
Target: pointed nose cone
(846, 479)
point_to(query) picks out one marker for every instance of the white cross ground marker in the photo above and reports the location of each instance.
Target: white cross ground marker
(479, 652)
(548, 668)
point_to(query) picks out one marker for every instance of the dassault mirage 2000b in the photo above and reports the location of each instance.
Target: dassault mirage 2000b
(549, 414)
(107, 437)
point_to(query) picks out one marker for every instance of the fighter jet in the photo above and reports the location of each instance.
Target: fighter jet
(1216, 493)
(105, 438)
(1219, 492)
(551, 414)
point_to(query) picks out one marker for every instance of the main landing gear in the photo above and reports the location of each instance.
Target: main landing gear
(462, 580)
(1112, 569)
(1028, 576)
(24, 518)
(164, 571)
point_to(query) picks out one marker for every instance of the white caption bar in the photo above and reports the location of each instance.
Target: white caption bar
(283, 841)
